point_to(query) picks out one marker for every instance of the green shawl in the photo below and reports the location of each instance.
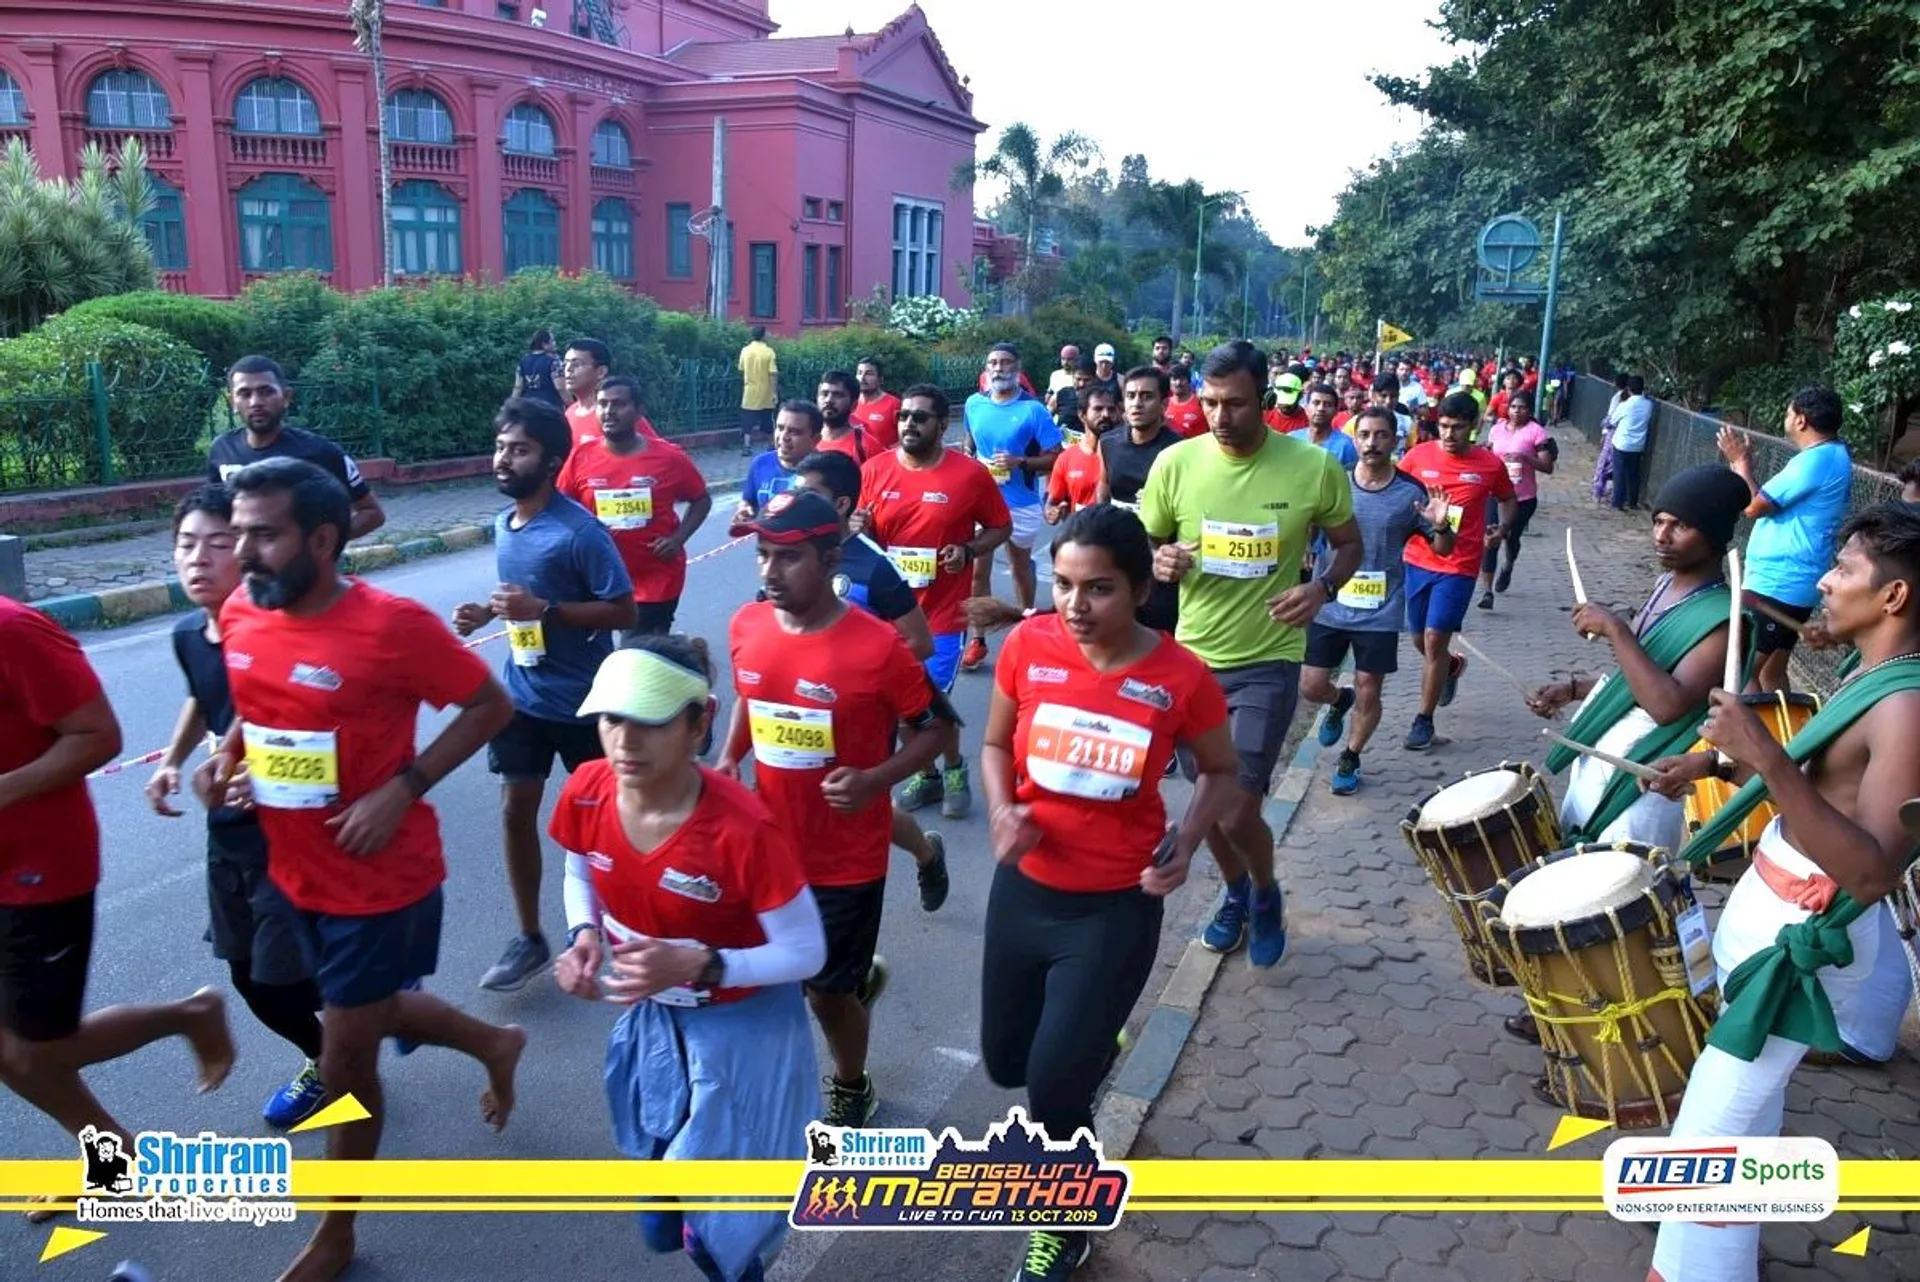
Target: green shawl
(1777, 990)
(1672, 637)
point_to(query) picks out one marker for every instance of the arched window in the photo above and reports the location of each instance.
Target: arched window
(285, 225)
(426, 230)
(128, 100)
(415, 115)
(13, 101)
(611, 146)
(529, 131)
(275, 105)
(613, 239)
(165, 226)
(532, 230)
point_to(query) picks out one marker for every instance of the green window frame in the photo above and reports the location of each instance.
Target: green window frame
(532, 230)
(426, 229)
(286, 225)
(613, 238)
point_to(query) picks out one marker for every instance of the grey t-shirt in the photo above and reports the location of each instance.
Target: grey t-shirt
(1374, 600)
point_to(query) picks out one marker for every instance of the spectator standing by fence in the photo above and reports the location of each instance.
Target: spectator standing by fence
(759, 382)
(1631, 425)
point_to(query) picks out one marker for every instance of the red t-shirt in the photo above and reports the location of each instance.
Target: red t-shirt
(634, 496)
(1186, 417)
(1470, 479)
(585, 421)
(856, 445)
(706, 884)
(342, 692)
(880, 418)
(49, 844)
(918, 511)
(1076, 474)
(1089, 748)
(817, 702)
(1287, 418)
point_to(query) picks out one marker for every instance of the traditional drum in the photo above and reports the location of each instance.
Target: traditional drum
(1614, 957)
(1470, 834)
(1783, 714)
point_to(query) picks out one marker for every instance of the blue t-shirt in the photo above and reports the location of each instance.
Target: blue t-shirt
(1022, 427)
(1338, 444)
(563, 555)
(1791, 548)
(766, 477)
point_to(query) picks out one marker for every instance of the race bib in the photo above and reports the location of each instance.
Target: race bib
(916, 565)
(624, 509)
(1236, 551)
(528, 642)
(1000, 475)
(683, 995)
(1453, 517)
(1081, 754)
(293, 769)
(1366, 590)
(1516, 470)
(790, 738)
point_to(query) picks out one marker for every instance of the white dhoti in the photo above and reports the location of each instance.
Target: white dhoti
(1727, 1096)
(1652, 820)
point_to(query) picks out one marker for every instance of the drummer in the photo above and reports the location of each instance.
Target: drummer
(1838, 829)
(1667, 658)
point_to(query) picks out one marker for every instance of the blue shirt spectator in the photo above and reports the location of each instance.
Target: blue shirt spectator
(1020, 428)
(1634, 417)
(1792, 547)
(564, 554)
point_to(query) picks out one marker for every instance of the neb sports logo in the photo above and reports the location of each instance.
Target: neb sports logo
(1719, 1179)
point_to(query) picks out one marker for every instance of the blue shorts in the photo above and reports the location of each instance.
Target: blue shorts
(1437, 602)
(943, 665)
(358, 961)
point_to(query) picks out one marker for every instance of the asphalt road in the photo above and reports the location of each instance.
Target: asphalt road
(925, 1058)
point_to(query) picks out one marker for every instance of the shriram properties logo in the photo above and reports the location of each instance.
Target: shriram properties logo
(1715, 1179)
(163, 1177)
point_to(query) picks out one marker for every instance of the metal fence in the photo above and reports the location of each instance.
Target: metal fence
(160, 424)
(1681, 438)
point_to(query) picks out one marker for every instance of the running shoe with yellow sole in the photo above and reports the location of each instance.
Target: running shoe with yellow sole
(849, 1105)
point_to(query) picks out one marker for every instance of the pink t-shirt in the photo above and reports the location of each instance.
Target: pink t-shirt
(1516, 450)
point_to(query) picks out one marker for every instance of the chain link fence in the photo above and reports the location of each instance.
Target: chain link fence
(1681, 438)
(112, 431)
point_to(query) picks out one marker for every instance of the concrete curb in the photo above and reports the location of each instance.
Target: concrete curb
(1149, 1065)
(118, 606)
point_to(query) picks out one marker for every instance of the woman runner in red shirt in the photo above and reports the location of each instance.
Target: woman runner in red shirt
(1088, 708)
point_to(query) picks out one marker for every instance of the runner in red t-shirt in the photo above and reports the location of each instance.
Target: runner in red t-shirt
(834, 399)
(934, 512)
(821, 688)
(1075, 480)
(1088, 707)
(328, 675)
(878, 410)
(584, 369)
(1184, 414)
(636, 485)
(55, 726)
(1439, 588)
(682, 884)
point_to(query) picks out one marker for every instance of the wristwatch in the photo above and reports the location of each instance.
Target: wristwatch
(1326, 582)
(573, 936)
(714, 973)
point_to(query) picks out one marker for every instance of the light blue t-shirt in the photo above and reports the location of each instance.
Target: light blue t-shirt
(1022, 427)
(1791, 548)
(1338, 444)
(563, 555)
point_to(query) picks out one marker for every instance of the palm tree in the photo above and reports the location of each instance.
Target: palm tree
(1172, 211)
(369, 22)
(1033, 176)
(62, 243)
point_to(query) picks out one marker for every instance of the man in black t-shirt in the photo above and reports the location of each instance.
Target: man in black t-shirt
(1126, 458)
(259, 394)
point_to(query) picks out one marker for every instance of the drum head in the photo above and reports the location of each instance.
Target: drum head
(1475, 797)
(1575, 888)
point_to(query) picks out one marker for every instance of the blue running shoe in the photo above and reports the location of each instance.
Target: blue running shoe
(1346, 774)
(298, 1100)
(1336, 719)
(1269, 927)
(401, 1046)
(1420, 738)
(1456, 664)
(1228, 929)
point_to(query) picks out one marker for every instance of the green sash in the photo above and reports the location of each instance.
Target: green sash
(1672, 637)
(1848, 666)
(1777, 990)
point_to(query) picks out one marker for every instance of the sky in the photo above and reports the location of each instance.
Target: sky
(1298, 67)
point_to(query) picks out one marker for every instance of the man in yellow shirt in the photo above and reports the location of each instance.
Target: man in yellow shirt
(759, 376)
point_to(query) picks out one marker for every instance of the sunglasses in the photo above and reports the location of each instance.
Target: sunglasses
(917, 417)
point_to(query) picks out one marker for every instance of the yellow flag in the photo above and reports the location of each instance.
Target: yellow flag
(1392, 336)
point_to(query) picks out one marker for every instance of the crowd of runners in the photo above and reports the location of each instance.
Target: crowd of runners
(1227, 534)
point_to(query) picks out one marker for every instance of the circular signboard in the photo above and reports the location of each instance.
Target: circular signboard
(1507, 244)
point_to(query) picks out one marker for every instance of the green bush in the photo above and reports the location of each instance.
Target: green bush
(215, 329)
(1041, 336)
(684, 336)
(289, 317)
(903, 362)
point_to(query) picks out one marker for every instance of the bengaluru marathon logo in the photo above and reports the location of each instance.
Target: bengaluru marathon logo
(1014, 1178)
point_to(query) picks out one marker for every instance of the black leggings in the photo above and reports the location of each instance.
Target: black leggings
(1509, 537)
(286, 1009)
(1061, 973)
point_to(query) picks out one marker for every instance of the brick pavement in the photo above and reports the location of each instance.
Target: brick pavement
(1372, 1039)
(413, 512)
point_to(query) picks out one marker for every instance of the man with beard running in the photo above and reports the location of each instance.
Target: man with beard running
(1074, 482)
(935, 512)
(260, 397)
(834, 398)
(878, 410)
(1126, 458)
(563, 589)
(328, 676)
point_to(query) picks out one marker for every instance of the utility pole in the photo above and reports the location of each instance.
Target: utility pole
(1199, 235)
(719, 242)
(1553, 293)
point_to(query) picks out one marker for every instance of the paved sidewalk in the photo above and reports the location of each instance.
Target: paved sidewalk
(1372, 1039)
(413, 512)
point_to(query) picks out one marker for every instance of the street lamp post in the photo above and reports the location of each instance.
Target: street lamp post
(1199, 241)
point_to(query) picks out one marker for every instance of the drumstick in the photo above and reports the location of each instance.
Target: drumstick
(1732, 683)
(1786, 621)
(1579, 588)
(1633, 768)
(1498, 671)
